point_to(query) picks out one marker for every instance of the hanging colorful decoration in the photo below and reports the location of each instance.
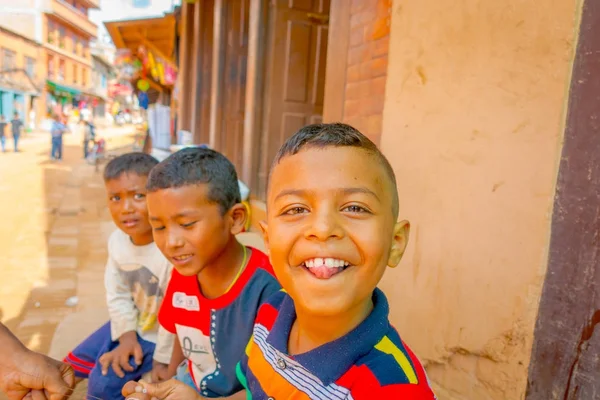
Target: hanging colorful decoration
(143, 85)
(170, 75)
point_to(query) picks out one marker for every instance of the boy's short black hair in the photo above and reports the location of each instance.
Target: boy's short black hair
(137, 163)
(195, 166)
(337, 135)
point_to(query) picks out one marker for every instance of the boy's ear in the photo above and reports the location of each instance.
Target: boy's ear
(239, 214)
(265, 233)
(399, 242)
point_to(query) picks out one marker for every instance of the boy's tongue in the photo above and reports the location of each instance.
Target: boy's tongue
(324, 272)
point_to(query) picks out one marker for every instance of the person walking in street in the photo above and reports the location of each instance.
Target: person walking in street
(89, 135)
(3, 124)
(17, 126)
(57, 130)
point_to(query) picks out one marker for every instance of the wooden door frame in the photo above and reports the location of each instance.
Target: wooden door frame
(335, 79)
(218, 64)
(255, 72)
(335, 72)
(565, 348)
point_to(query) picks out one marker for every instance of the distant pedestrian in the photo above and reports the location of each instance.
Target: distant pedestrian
(3, 124)
(89, 135)
(57, 130)
(17, 126)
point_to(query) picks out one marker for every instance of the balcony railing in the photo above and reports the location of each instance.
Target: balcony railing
(71, 16)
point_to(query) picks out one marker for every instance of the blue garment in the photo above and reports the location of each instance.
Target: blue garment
(16, 141)
(3, 143)
(56, 151)
(57, 129)
(84, 360)
(143, 100)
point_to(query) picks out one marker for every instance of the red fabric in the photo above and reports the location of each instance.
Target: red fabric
(169, 314)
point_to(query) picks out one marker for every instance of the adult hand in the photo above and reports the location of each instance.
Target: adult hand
(34, 376)
(118, 358)
(168, 390)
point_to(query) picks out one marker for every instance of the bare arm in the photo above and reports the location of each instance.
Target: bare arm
(177, 357)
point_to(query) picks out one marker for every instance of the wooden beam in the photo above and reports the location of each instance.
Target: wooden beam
(337, 56)
(254, 90)
(115, 35)
(197, 57)
(217, 75)
(140, 38)
(184, 77)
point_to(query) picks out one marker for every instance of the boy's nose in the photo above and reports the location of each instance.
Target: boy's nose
(324, 225)
(174, 240)
(128, 206)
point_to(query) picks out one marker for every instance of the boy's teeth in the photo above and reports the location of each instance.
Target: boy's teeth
(325, 262)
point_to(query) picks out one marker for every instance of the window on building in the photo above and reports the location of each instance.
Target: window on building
(84, 48)
(30, 67)
(83, 78)
(75, 74)
(51, 32)
(103, 81)
(74, 40)
(61, 70)
(50, 67)
(8, 59)
(61, 37)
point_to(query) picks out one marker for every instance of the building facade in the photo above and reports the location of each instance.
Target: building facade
(102, 73)
(21, 76)
(63, 29)
(488, 113)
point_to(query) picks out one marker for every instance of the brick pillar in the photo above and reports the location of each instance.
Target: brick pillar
(366, 73)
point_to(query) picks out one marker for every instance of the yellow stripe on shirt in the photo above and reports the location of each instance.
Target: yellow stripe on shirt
(388, 347)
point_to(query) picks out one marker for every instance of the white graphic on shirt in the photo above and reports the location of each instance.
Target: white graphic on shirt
(196, 348)
(189, 303)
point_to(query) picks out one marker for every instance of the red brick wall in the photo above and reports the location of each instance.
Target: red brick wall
(367, 65)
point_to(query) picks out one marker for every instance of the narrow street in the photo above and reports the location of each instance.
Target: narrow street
(53, 246)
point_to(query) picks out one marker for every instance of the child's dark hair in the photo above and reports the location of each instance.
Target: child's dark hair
(137, 163)
(194, 166)
(336, 135)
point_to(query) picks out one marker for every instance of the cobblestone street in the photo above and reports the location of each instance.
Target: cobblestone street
(53, 245)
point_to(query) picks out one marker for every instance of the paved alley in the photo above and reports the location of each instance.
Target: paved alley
(53, 241)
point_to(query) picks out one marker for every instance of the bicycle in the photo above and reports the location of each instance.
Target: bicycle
(97, 153)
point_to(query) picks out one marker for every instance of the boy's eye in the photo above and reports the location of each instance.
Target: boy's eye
(139, 196)
(115, 198)
(158, 228)
(188, 224)
(295, 211)
(355, 209)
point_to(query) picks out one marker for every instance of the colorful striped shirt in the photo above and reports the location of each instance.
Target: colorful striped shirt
(370, 362)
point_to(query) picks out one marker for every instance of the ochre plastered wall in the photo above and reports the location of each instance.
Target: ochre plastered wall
(472, 124)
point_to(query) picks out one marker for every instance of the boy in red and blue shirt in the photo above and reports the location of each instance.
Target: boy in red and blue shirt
(218, 284)
(331, 230)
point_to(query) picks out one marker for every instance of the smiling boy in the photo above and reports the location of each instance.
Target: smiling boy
(331, 232)
(131, 343)
(218, 284)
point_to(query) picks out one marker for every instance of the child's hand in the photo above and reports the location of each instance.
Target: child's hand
(168, 390)
(160, 372)
(118, 358)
